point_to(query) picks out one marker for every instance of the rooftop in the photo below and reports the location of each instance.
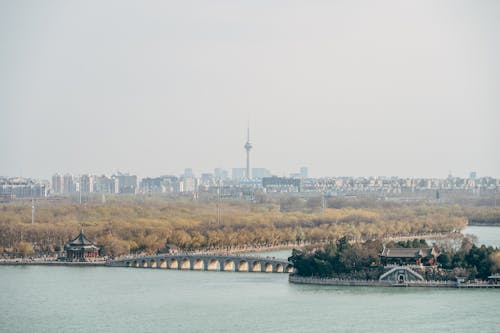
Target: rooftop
(399, 252)
(80, 240)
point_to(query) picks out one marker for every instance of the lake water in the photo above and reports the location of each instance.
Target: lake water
(485, 235)
(101, 299)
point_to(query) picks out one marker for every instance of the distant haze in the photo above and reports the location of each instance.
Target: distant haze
(407, 88)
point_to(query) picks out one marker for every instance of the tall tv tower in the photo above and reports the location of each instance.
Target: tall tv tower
(248, 147)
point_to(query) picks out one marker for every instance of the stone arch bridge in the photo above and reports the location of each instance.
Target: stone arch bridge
(207, 262)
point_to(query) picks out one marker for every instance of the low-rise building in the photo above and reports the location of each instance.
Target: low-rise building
(409, 256)
(23, 187)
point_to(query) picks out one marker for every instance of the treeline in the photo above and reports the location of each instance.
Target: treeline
(471, 261)
(340, 259)
(483, 215)
(146, 224)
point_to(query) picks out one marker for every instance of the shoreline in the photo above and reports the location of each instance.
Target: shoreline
(258, 249)
(375, 283)
(483, 225)
(50, 263)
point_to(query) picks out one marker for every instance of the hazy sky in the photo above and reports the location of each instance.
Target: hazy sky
(408, 88)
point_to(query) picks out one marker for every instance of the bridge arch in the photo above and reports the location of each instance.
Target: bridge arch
(229, 265)
(153, 264)
(256, 266)
(213, 265)
(198, 264)
(163, 263)
(279, 268)
(289, 269)
(174, 264)
(128, 264)
(185, 263)
(243, 266)
(268, 267)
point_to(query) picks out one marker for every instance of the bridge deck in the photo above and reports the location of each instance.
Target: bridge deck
(207, 262)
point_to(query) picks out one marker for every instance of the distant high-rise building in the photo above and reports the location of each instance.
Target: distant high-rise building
(221, 173)
(281, 184)
(207, 178)
(248, 147)
(259, 173)
(162, 184)
(188, 172)
(238, 173)
(68, 184)
(304, 172)
(57, 184)
(188, 184)
(127, 183)
(473, 175)
(86, 183)
(105, 184)
(23, 188)
(152, 185)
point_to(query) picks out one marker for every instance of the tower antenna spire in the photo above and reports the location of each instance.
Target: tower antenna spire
(32, 210)
(248, 147)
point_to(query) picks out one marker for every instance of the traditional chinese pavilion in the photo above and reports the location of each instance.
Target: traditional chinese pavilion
(409, 256)
(81, 249)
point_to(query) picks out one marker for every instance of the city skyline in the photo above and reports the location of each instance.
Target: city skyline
(238, 185)
(412, 91)
(245, 172)
(241, 172)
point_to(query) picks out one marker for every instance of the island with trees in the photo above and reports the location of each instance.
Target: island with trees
(448, 263)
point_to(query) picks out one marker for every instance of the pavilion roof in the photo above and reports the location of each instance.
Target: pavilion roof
(80, 240)
(399, 252)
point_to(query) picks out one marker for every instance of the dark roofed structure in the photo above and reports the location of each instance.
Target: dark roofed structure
(409, 256)
(81, 249)
(494, 279)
